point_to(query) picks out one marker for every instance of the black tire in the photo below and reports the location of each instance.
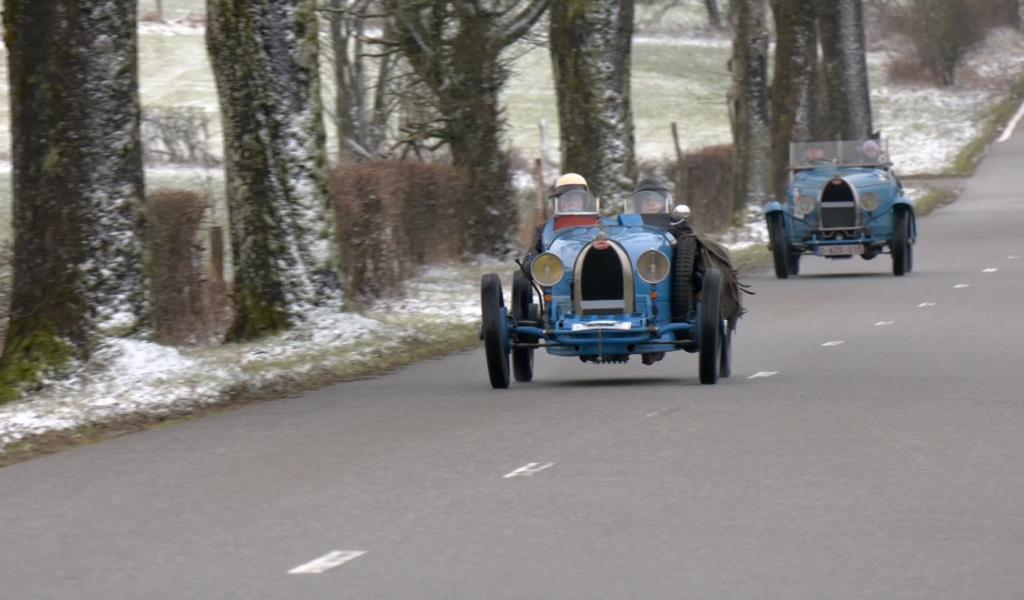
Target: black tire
(900, 244)
(793, 262)
(725, 363)
(684, 263)
(495, 328)
(710, 326)
(522, 298)
(779, 244)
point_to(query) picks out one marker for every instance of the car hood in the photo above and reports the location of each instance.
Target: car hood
(859, 177)
(635, 240)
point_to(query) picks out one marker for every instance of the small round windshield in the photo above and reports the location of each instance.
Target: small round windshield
(649, 202)
(575, 202)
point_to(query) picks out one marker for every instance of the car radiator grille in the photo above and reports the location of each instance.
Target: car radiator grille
(838, 206)
(602, 284)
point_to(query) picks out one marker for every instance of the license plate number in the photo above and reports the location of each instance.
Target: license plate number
(841, 250)
(618, 325)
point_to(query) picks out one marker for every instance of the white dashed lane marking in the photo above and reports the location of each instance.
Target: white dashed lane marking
(1012, 125)
(833, 343)
(327, 562)
(763, 374)
(990, 270)
(662, 413)
(528, 470)
(961, 286)
(925, 304)
(1013, 257)
(884, 323)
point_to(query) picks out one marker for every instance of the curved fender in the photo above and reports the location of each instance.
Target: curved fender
(904, 203)
(771, 207)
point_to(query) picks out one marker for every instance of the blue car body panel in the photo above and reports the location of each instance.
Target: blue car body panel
(807, 230)
(643, 324)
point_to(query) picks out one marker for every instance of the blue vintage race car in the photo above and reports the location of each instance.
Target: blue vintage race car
(604, 289)
(843, 200)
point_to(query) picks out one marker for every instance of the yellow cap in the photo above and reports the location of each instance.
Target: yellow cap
(571, 179)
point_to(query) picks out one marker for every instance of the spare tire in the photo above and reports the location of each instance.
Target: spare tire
(684, 267)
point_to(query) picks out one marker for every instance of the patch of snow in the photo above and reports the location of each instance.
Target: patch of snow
(129, 378)
(183, 26)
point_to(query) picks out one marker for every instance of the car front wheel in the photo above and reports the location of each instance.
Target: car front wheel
(495, 329)
(902, 259)
(710, 326)
(779, 244)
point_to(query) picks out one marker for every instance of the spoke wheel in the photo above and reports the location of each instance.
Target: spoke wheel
(684, 263)
(725, 364)
(710, 326)
(779, 244)
(495, 329)
(900, 244)
(522, 299)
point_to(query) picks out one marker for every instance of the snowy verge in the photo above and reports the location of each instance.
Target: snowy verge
(130, 378)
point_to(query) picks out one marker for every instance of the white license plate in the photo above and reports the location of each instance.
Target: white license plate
(619, 325)
(841, 250)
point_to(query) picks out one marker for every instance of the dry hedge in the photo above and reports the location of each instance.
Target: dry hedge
(6, 274)
(704, 181)
(190, 300)
(394, 216)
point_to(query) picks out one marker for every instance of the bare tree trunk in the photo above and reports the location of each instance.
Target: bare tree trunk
(160, 9)
(793, 101)
(455, 49)
(841, 27)
(749, 101)
(591, 53)
(264, 58)
(78, 183)
(714, 16)
(360, 121)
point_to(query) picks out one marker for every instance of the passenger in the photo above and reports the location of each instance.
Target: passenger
(651, 197)
(871, 152)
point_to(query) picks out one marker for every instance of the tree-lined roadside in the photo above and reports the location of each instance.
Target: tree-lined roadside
(288, 268)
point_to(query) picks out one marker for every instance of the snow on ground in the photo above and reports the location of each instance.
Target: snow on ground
(926, 127)
(127, 378)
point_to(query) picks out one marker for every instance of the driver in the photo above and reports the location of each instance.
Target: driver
(572, 195)
(572, 200)
(815, 154)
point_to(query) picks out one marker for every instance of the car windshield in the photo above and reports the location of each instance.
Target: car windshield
(844, 153)
(575, 202)
(648, 202)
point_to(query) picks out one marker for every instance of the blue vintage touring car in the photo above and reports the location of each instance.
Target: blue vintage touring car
(605, 288)
(843, 200)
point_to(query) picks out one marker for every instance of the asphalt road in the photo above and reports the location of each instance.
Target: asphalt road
(869, 445)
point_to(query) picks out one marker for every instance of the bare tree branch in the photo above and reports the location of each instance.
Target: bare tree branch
(522, 22)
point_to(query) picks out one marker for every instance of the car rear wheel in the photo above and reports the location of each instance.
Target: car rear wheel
(522, 299)
(725, 364)
(710, 326)
(495, 330)
(902, 261)
(779, 244)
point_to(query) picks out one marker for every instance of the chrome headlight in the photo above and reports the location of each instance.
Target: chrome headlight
(870, 201)
(547, 269)
(652, 267)
(804, 204)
